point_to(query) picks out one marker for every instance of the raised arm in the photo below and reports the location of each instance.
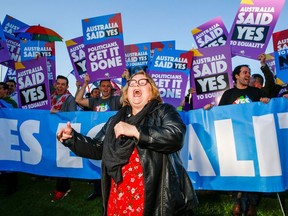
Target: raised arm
(269, 76)
(79, 98)
(78, 87)
(82, 145)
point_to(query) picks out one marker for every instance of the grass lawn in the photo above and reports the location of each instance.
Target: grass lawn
(33, 198)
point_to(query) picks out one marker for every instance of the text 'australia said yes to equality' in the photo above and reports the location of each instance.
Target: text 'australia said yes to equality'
(104, 56)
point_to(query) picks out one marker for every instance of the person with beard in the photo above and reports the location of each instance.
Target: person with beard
(244, 202)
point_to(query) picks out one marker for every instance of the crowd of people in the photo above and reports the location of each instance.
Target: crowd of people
(142, 141)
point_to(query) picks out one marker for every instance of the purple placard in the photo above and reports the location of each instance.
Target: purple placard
(170, 70)
(33, 84)
(4, 53)
(77, 55)
(13, 46)
(210, 74)
(10, 25)
(10, 75)
(212, 33)
(253, 27)
(35, 49)
(104, 47)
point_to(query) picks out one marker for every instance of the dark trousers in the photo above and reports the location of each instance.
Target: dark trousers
(97, 187)
(62, 184)
(246, 198)
(10, 180)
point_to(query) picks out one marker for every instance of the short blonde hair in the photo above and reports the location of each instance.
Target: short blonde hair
(155, 91)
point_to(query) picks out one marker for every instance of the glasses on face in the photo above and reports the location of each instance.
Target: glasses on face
(140, 82)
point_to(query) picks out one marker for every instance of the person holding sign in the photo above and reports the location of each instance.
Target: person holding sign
(139, 147)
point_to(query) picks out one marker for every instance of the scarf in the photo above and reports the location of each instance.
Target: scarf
(116, 152)
(57, 104)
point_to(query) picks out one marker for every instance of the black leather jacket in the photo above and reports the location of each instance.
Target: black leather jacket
(168, 189)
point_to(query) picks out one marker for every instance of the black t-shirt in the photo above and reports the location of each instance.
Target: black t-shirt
(102, 105)
(241, 96)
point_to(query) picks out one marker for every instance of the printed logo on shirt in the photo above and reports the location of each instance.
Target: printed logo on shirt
(242, 100)
(102, 108)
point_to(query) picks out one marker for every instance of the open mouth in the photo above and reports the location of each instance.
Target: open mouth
(137, 93)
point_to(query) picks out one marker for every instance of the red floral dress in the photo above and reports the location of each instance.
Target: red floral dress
(127, 197)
